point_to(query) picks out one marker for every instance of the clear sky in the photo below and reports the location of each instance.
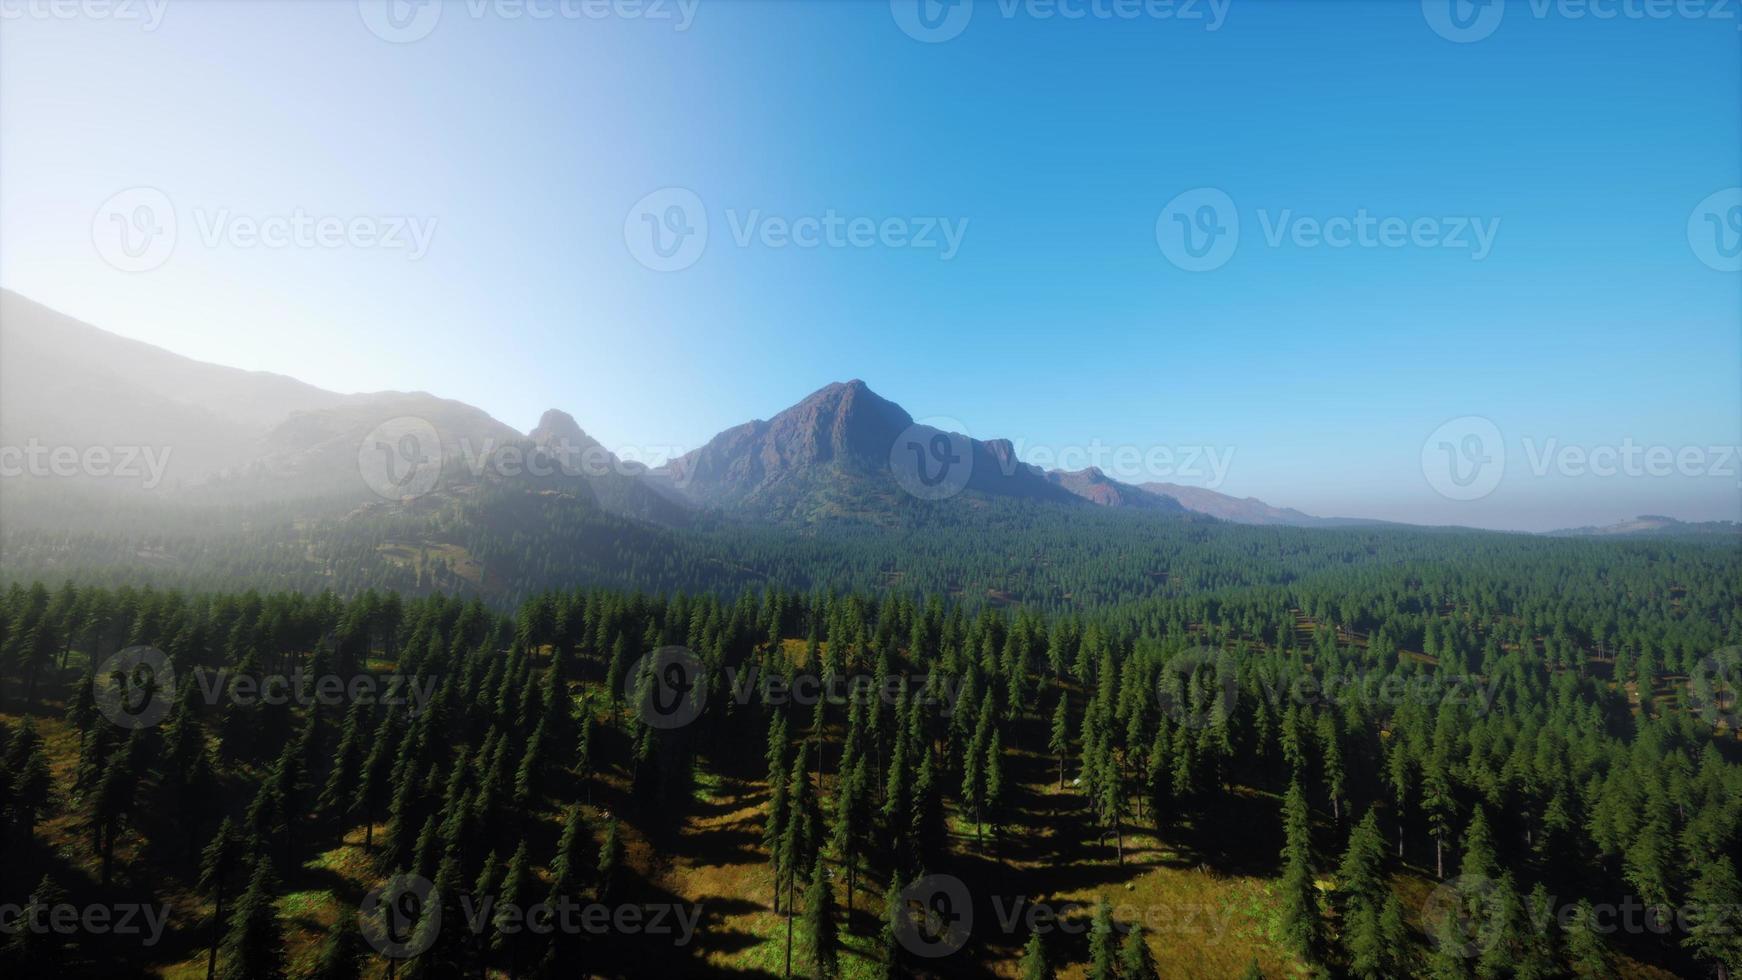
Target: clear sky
(1593, 314)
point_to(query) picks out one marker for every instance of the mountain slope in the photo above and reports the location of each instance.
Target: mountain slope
(1653, 526)
(1098, 488)
(1240, 510)
(66, 383)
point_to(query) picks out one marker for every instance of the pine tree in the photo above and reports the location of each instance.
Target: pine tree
(610, 862)
(1478, 859)
(1034, 965)
(1713, 936)
(254, 944)
(220, 863)
(849, 810)
(32, 790)
(1586, 952)
(994, 789)
(1103, 943)
(515, 898)
(774, 824)
(800, 838)
(35, 951)
(1300, 909)
(1361, 896)
(1135, 960)
(574, 857)
(1498, 936)
(1060, 742)
(1437, 804)
(342, 953)
(819, 916)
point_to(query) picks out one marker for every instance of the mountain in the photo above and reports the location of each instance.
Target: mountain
(845, 452)
(1098, 488)
(1240, 510)
(1251, 510)
(231, 436)
(620, 486)
(66, 383)
(347, 451)
(1654, 526)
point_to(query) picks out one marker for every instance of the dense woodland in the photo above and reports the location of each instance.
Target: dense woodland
(1547, 725)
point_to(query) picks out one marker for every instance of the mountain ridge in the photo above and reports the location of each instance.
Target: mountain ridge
(842, 452)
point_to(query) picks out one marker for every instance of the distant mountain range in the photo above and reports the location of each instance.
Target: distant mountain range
(843, 453)
(1654, 526)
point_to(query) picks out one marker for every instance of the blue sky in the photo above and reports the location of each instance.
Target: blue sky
(1051, 145)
